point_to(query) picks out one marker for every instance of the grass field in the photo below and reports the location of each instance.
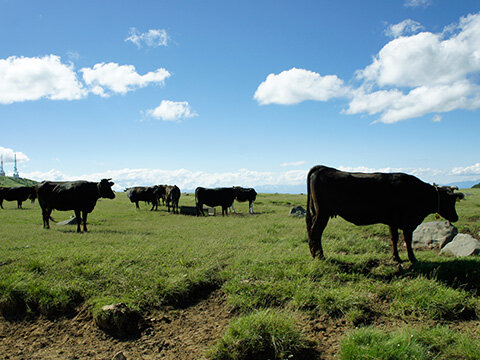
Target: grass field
(152, 260)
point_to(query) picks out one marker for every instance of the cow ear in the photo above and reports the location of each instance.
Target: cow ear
(111, 183)
(460, 196)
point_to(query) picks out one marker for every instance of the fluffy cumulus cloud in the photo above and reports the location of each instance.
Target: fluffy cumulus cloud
(406, 27)
(106, 78)
(151, 38)
(297, 85)
(172, 111)
(34, 78)
(411, 76)
(8, 155)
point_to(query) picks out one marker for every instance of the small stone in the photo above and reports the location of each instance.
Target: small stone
(119, 356)
(119, 320)
(298, 211)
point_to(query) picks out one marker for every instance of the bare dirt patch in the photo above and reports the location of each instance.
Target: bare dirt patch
(174, 334)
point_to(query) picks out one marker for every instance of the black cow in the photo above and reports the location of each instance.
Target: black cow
(18, 194)
(172, 196)
(214, 197)
(398, 200)
(80, 196)
(149, 194)
(245, 194)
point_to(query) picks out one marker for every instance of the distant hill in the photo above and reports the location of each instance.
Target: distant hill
(476, 186)
(465, 184)
(10, 181)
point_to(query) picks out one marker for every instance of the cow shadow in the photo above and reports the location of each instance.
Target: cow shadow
(454, 273)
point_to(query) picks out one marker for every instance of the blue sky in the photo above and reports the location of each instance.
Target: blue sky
(252, 93)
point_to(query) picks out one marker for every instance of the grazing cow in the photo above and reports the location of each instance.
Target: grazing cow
(245, 194)
(149, 194)
(172, 196)
(398, 200)
(80, 196)
(214, 197)
(17, 193)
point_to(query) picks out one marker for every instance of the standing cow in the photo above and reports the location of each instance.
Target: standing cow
(214, 197)
(172, 197)
(18, 194)
(80, 196)
(398, 200)
(245, 194)
(150, 194)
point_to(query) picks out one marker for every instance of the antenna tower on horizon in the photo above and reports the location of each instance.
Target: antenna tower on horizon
(15, 170)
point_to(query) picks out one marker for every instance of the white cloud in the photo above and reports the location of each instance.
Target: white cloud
(151, 38)
(410, 77)
(172, 111)
(467, 170)
(293, 163)
(8, 155)
(119, 78)
(437, 118)
(417, 3)
(297, 85)
(187, 180)
(405, 27)
(24, 79)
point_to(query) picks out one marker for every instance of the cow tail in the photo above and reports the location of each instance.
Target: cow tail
(308, 215)
(52, 219)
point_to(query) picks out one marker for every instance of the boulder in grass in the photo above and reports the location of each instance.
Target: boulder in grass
(298, 211)
(119, 320)
(435, 234)
(462, 245)
(72, 221)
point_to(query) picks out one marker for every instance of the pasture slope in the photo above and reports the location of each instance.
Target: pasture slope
(236, 287)
(10, 181)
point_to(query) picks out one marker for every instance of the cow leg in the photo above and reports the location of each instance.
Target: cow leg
(79, 219)
(136, 204)
(394, 235)
(224, 210)
(84, 219)
(1, 203)
(250, 207)
(153, 206)
(46, 220)
(315, 236)
(408, 236)
(233, 209)
(200, 209)
(19, 204)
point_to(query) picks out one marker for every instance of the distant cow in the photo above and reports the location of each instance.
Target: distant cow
(80, 196)
(149, 194)
(18, 194)
(398, 200)
(172, 197)
(214, 197)
(245, 194)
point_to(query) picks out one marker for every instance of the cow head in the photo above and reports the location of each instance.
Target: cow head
(105, 189)
(33, 194)
(446, 202)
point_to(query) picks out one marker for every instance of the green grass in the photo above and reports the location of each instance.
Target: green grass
(150, 260)
(262, 335)
(10, 181)
(421, 344)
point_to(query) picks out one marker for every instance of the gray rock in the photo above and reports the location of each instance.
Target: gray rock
(435, 234)
(462, 245)
(119, 356)
(71, 221)
(297, 211)
(119, 320)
